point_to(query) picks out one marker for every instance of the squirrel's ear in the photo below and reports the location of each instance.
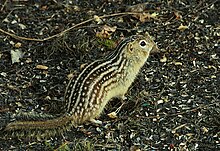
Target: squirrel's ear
(130, 47)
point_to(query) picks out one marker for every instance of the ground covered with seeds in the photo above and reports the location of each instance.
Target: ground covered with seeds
(173, 103)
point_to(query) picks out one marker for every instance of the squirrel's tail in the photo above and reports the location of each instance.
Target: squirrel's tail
(39, 128)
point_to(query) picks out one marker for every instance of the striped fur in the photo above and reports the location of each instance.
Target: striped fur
(87, 95)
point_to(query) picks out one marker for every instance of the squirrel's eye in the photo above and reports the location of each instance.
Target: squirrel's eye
(142, 43)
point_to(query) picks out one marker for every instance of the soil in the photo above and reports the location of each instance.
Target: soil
(173, 103)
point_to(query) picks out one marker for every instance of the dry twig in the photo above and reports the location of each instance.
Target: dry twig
(68, 29)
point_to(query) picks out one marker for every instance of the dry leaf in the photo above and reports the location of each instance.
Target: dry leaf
(141, 7)
(71, 75)
(182, 27)
(109, 29)
(18, 45)
(16, 55)
(112, 115)
(143, 17)
(154, 15)
(43, 8)
(106, 31)
(137, 8)
(29, 60)
(82, 66)
(178, 16)
(42, 67)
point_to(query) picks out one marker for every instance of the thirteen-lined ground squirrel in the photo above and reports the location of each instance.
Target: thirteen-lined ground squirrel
(88, 93)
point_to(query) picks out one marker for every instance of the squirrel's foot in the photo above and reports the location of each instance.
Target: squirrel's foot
(124, 98)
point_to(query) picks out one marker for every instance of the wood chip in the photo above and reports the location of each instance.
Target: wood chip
(42, 67)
